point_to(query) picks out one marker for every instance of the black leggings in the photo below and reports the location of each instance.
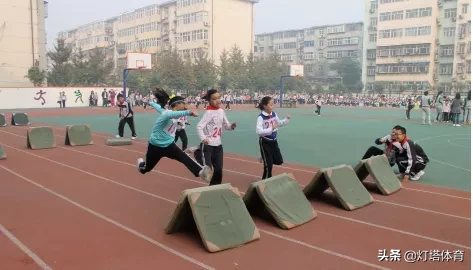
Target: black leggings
(408, 111)
(156, 153)
(131, 124)
(181, 134)
(373, 151)
(271, 155)
(227, 105)
(212, 156)
(318, 109)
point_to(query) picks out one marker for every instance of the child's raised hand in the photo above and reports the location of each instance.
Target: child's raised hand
(233, 126)
(193, 114)
(288, 116)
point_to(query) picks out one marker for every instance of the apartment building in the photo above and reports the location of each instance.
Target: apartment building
(22, 40)
(315, 47)
(417, 44)
(189, 26)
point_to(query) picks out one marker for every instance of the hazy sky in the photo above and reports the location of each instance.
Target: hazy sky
(270, 15)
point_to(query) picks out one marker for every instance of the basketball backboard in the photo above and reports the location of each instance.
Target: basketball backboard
(296, 70)
(138, 61)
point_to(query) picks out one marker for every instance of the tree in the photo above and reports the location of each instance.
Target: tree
(224, 72)
(205, 72)
(237, 69)
(100, 68)
(81, 69)
(36, 75)
(62, 71)
(350, 71)
(171, 70)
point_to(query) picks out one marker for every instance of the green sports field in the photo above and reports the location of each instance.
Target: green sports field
(339, 136)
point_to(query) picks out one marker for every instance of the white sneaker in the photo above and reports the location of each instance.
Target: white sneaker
(206, 174)
(133, 137)
(417, 176)
(138, 163)
(118, 136)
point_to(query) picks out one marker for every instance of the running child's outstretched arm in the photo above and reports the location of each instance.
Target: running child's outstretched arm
(227, 125)
(283, 122)
(157, 107)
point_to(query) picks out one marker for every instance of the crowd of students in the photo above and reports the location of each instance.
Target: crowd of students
(207, 160)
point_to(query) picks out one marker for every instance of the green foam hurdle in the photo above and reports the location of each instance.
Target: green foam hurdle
(282, 197)
(20, 119)
(3, 121)
(344, 183)
(381, 172)
(219, 214)
(78, 135)
(3, 155)
(40, 138)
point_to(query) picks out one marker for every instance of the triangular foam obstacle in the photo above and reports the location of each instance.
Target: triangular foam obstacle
(3, 121)
(40, 138)
(381, 172)
(282, 197)
(20, 119)
(344, 183)
(218, 212)
(78, 135)
(3, 155)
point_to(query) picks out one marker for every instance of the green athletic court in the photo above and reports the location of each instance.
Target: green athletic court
(339, 136)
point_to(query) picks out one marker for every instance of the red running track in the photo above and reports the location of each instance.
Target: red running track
(91, 203)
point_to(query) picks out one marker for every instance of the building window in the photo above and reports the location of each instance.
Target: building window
(309, 56)
(465, 8)
(449, 31)
(342, 41)
(390, 1)
(463, 28)
(371, 71)
(391, 16)
(374, 21)
(309, 43)
(290, 45)
(403, 68)
(371, 54)
(446, 69)
(461, 47)
(446, 50)
(460, 68)
(374, 5)
(373, 37)
(321, 43)
(468, 67)
(417, 31)
(390, 33)
(450, 13)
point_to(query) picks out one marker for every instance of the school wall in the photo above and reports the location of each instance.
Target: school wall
(47, 97)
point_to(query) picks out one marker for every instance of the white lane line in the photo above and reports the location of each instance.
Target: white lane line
(314, 172)
(201, 183)
(24, 248)
(144, 237)
(171, 201)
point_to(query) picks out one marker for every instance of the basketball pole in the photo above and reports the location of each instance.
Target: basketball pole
(281, 88)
